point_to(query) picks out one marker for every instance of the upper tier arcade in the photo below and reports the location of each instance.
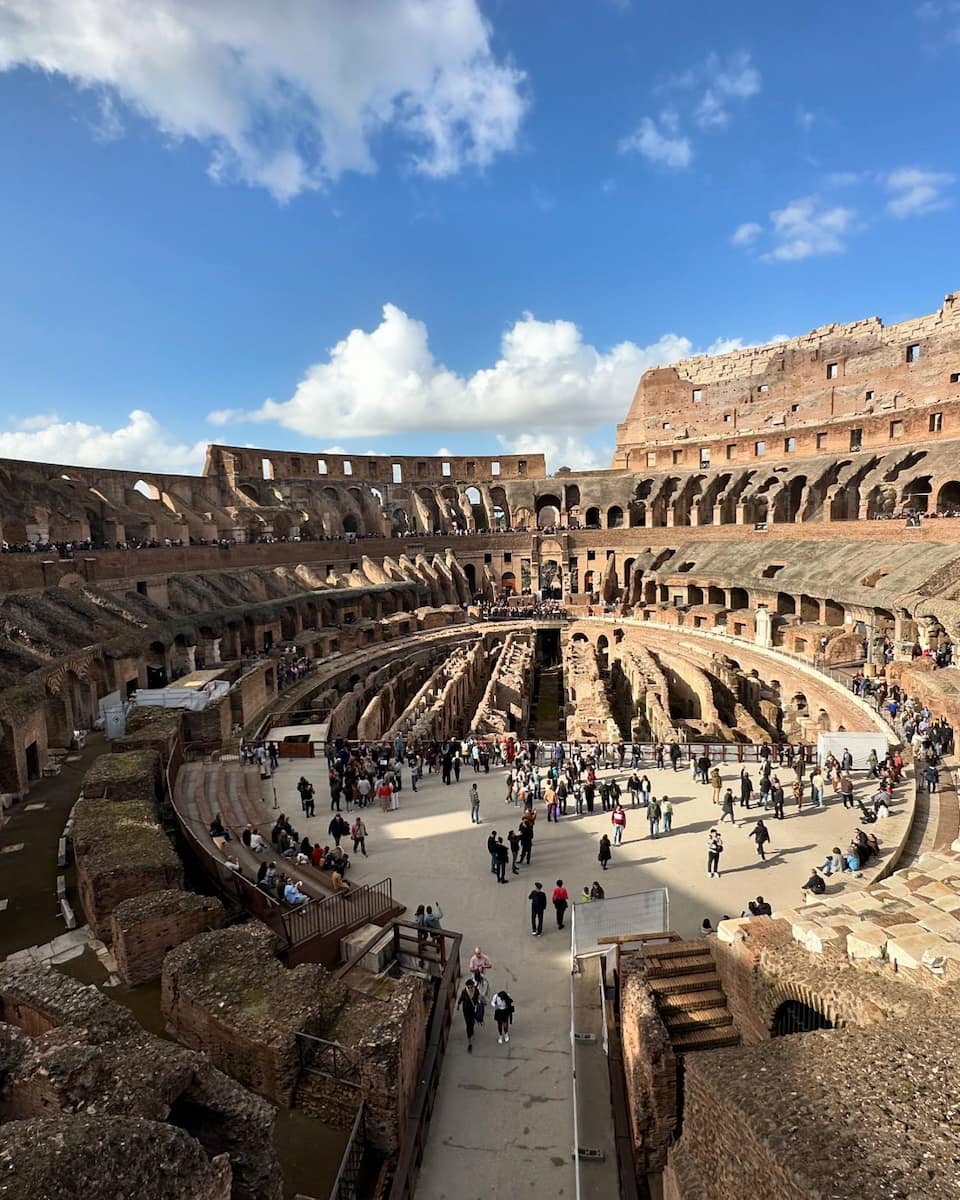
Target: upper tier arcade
(837, 389)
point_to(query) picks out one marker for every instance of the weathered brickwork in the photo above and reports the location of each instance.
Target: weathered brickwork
(145, 929)
(650, 1067)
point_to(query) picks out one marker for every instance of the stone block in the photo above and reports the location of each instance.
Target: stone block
(909, 951)
(948, 904)
(859, 902)
(867, 941)
(936, 890)
(819, 937)
(728, 931)
(943, 924)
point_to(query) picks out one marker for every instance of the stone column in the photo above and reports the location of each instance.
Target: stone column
(764, 627)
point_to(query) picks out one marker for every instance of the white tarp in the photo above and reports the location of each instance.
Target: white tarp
(859, 745)
(173, 697)
(640, 912)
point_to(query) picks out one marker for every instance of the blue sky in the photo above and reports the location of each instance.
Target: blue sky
(417, 225)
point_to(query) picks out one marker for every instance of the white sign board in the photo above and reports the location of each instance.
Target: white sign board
(859, 745)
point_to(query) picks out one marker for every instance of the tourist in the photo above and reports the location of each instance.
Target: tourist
(604, 855)
(714, 850)
(479, 963)
(217, 829)
(431, 920)
(585, 896)
(761, 835)
(340, 885)
(706, 928)
(760, 908)
(492, 851)
(257, 844)
(597, 892)
(337, 828)
(293, 895)
(305, 788)
(716, 782)
(468, 1004)
(501, 855)
(846, 789)
(675, 755)
(359, 835)
(816, 884)
(560, 901)
(247, 836)
(526, 841)
(817, 785)
(513, 841)
(776, 797)
(233, 865)
(666, 812)
(618, 819)
(503, 1010)
(538, 906)
(727, 807)
(474, 804)
(834, 863)
(746, 788)
(550, 800)
(798, 794)
(654, 813)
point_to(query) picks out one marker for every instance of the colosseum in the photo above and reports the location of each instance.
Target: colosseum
(266, 734)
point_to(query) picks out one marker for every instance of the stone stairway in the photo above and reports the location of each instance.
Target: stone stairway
(689, 997)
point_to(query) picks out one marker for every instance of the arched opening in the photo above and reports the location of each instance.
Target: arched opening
(508, 582)
(739, 598)
(351, 524)
(266, 467)
(400, 522)
(588, 581)
(475, 500)
(248, 490)
(916, 494)
(148, 490)
(470, 570)
(591, 518)
(614, 517)
(571, 496)
(157, 666)
(551, 584)
(501, 510)
(522, 518)
(627, 575)
(793, 1016)
(579, 637)
(602, 648)
(548, 511)
(948, 498)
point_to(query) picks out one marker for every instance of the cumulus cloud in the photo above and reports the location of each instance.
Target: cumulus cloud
(914, 192)
(286, 96)
(804, 228)
(564, 450)
(387, 381)
(735, 78)
(657, 141)
(141, 444)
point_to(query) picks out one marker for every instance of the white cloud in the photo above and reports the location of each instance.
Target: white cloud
(734, 79)
(141, 444)
(746, 234)
(387, 381)
(806, 119)
(658, 143)
(804, 228)
(915, 192)
(286, 96)
(565, 450)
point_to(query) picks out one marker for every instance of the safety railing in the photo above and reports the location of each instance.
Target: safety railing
(330, 913)
(327, 1058)
(346, 1186)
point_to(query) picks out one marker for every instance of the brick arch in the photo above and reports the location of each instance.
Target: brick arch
(836, 1012)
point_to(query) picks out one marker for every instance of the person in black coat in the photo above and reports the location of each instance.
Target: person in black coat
(469, 1004)
(538, 906)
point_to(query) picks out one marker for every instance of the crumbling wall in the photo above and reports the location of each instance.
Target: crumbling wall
(650, 1068)
(144, 929)
(120, 852)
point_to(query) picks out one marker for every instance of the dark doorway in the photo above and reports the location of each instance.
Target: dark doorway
(33, 762)
(156, 677)
(793, 1016)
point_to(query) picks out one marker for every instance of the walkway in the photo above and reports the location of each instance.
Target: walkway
(503, 1119)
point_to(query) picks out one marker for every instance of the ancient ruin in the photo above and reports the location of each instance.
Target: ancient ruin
(779, 523)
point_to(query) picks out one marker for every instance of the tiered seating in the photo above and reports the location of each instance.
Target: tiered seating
(689, 997)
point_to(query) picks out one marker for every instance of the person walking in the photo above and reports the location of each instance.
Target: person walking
(502, 855)
(716, 783)
(337, 828)
(654, 813)
(560, 901)
(817, 785)
(776, 796)
(746, 788)
(798, 793)
(474, 804)
(646, 787)
(761, 835)
(728, 808)
(846, 789)
(714, 850)
(666, 812)
(359, 835)
(469, 1004)
(503, 1013)
(538, 906)
(618, 819)
(526, 841)
(603, 857)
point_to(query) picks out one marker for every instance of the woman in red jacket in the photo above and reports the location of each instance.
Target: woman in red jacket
(560, 900)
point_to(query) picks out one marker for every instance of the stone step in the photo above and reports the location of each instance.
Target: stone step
(705, 1039)
(694, 946)
(670, 1002)
(717, 1017)
(689, 964)
(701, 982)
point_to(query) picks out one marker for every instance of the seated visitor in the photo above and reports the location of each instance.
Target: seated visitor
(853, 858)
(816, 884)
(257, 844)
(216, 828)
(834, 863)
(761, 908)
(585, 896)
(706, 928)
(269, 881)
(316, 856)
(339, 883)
(233, 864)
(293, 895)
(597, 892)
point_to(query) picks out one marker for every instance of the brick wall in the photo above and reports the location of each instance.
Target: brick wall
(650, 1069)
(145, 928)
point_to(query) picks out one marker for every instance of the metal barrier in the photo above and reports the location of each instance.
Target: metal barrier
(327, 1058)
(330, 913)
(346, 1184)
(410, 1157)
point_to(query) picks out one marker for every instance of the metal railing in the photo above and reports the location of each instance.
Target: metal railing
(321, 1057)
(346, 1186)
(407, 1168)
(330, 913)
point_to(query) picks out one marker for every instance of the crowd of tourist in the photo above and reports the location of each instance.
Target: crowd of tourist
(540, 610)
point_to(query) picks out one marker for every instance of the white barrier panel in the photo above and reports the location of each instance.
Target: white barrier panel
(859, 745)
(619, 916)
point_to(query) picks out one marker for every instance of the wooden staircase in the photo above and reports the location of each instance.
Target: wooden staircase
(689, 997)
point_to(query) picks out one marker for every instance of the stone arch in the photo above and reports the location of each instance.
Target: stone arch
(551, 579)
(916, 493)
(591, 518)
(523, 518)
(471, 573)
(614, 517)
(149, 491)
(500, 509)
(948, 498)
(571, 496)
(508, 582)
(795, 1016)
(475, 500)
(547, 509)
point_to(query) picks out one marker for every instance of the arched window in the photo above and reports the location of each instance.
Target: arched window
(793, 1016)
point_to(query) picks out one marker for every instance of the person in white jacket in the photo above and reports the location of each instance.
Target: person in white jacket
(503, 1012)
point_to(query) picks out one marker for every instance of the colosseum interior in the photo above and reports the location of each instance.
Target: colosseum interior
(778, 525)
